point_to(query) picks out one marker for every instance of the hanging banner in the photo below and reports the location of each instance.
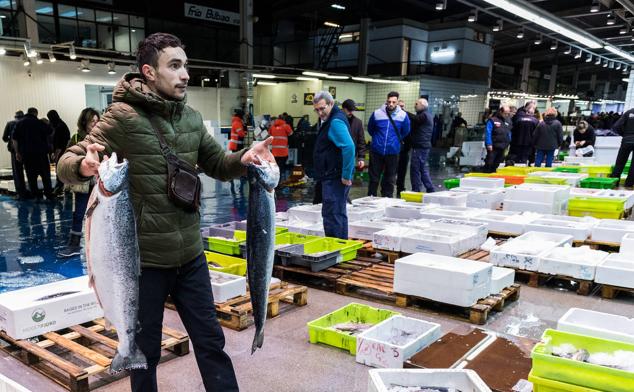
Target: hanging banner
(212, 14)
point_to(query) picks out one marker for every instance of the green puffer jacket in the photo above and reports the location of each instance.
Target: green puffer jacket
(168, 235)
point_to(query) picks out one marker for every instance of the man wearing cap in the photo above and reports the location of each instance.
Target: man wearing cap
(356, 131)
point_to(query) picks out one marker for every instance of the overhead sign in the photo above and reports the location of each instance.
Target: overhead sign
(212, 14)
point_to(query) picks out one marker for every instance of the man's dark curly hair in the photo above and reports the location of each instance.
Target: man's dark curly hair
(150, 48)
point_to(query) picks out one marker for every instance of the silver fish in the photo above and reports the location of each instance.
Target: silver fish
(261, 240)
(114, 264)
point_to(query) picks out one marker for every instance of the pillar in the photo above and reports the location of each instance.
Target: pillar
(364, 45)
(27, 24)
(553, 79)
(526, 69)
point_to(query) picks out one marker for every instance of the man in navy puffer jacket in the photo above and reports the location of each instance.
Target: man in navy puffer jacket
(388, 126)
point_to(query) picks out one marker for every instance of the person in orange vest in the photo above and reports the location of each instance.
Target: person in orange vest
(238, 131)
(280, 131)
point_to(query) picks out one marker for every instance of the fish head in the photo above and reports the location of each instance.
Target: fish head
(267, 174)
(113, 175)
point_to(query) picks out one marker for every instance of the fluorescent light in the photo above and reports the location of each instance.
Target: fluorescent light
(598, 62)
(344, 36)
(618, 66)
(264, 83)
(499, 25)
(610, 19)
(569, 50)
(306, 79)
(520, 33)
(71, 51)
(619, 52)
(538, 40)
(578, 54)
(623, 30)
(3, 51)
(441, 5)
(338, 6)
(596, 6)
(589, 58)
(38, 59)
(605, 63)
(362, 79)
(559, 26)
(553, 45)
(331, 24)
(317, 74)
(51, 57)
(473, 16)
(626, 80)
(264, 76)
(339, 77)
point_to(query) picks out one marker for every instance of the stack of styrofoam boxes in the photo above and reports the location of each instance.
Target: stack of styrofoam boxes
(501, 278)
(580, 263)
(579, 228)
(380, 347)
(472, 154)
(360, 212)
(524, 252)
(611, 230)
(40, 309)
(408, 210)
(606, 149)
(365, 229)
(305, 219)
(572, 179)
(445, 236)
(597, 324)
(483, 198)
(392, 237)
(444, 279)
(482, 182)
(540, 198)
(508, 222)
(227, 286)
(446, 198)
(477, 231)
(463, 213)
(383, 380)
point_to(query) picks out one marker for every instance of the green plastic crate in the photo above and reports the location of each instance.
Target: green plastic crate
(450, 183)
(545, 385)
(321, 331)
(414, 197)
(227, 264)
(546, 365)
(567, 169)
(346, 248)
(546, 180)
(599, 182)
(598, 207)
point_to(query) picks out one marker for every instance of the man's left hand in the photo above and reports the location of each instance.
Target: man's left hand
(260, 150)
(346, 182)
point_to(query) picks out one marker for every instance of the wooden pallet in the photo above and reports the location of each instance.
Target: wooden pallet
(610, 292)
(237, 313)
(325, 279)
(369, 251)
(537, 279)
(374, 282)
(606, 246)
(71, 356)
(477, 313)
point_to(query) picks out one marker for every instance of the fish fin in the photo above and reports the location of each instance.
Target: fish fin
(136, 360)
(258, 339)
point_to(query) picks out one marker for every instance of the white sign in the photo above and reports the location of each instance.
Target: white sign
(212, 14)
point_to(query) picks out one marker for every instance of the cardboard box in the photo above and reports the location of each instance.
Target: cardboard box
(36, 310)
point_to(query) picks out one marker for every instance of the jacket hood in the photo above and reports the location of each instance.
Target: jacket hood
(549, 119)
(279, 121)
(396, 110)
(133, 90)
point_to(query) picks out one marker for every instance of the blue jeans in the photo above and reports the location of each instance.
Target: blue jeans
(81, 203)
(539, 157)
(333, 208)
(419, 170)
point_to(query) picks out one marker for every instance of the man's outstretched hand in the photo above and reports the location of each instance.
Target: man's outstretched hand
(260, 150)
(90, 164)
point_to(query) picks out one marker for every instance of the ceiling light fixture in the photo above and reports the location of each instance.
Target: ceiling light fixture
(338, 77)
(499, 25)
(598, 62)
(85, 65)
(473, 16)
(264, 83)
(520, 33)
(38, 59)
(596, 6)
(441, 5)
(578, 54)
(306, 79)
(264, 76)
(553, 45)
(338, 6)
(605, 63)
(538, 40)
(30, 52)
(331, 24)
(624, 30)
(71, 52)
(317, 74)
(535, 15)
(611, 20)
(626, 80)
(619, 52)
(625, 69)
(589, 58)
(3, 51)
(111, 68)
(25, 60)
(618, 66)
(569, 50)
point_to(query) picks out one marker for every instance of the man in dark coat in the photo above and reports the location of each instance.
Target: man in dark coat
(16, 166)
(356, 131)
(524, 124)
(61, 136)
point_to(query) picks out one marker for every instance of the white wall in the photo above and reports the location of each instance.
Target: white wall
(61, 86)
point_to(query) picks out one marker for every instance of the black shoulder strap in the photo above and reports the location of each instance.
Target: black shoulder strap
(165, 149)
(396, 130)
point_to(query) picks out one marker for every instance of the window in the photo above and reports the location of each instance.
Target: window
(137, 21)
(121, 38)
(46, 29)
(136, 36)
(43, 8)
(8, 4)
(87, 34)
(67, 11)
(67, 29)
(120, 19)
(104, 16)
(106, 39)
(86, 14)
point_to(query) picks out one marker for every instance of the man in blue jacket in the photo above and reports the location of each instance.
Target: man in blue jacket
(422, 129)
(497, 138)
(388, 126)
(334, 164)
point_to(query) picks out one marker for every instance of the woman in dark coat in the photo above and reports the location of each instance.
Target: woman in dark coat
(547, 138)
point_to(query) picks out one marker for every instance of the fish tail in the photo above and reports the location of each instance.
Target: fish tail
(135, 360)
(258, 339)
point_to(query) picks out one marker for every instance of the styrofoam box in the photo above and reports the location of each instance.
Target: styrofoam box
(407, 210)
(441, 278)
(619, 194)
(486, 198)
(281, 216)
(380, 380)
(502, 222)
(579, 160)
(234, 286)
(597, 324)
(586, 192)
(572, 179)
(482, 182)
(314, 229)
(608, 141)
(446, 198)
(617, 270)
(450, 212)
(580, 263)
(377, 201)
(611, 230)
(296, 226)
(420, 224)
(390, 238)
(514, 253)
(579, 228)
(557, 208)
(501, 278)
(8, 385)
(436, 241)
(538, 193)
(306, 212)
(360, 212)
(627, 244)
(476, 230)
(375, 346)
(36, 310)
(365, 229)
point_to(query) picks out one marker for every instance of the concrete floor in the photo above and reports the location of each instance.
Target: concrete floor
(287, 361)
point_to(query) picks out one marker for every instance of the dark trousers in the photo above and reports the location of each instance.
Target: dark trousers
(281, 162)
(334, 209)
(403, 162)
(190, 289)
(493, 159)
(549, 155)
(621, 160)
(18, 176)
(519, 154)
(81, 203)
(386, 165)
(38, 166)
(419, 171)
